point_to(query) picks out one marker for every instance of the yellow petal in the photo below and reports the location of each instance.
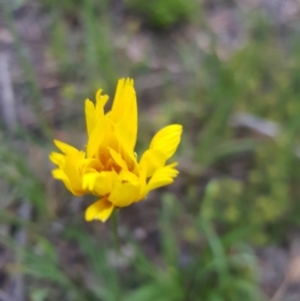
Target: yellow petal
(90, 116)
(94, 113)
(117, 158)
(89, 165)
(124, 113)
(103, 183)
(162, 177)
(73, 159)
(97, 136)
(66, 148)
(129, 157)
(60, 175)
(127, 176)
(152, 160)
(166, 140)
(101, 101)
(57, 158)
(142, 183)
(88, 181)
(98, 183)
(123, 194)
(100, 210)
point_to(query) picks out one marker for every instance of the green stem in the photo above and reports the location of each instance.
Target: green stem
(115, 231)
(114, 224)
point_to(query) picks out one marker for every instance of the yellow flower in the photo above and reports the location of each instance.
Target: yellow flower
(109, 168)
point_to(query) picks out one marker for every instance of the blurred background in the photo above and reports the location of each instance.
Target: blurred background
(229, 72)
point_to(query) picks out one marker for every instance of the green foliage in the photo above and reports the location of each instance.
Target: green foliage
(237, 186)
(223, 263)
(260, 80)
(71, 8)
(164, 14)
(222, 200)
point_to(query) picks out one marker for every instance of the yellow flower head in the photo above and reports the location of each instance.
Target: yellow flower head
(109, 168)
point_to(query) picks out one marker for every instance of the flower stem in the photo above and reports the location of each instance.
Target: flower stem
(115, 231)
(114, 224)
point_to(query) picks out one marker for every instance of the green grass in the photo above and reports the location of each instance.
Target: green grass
(164, 15)
(237, 190)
